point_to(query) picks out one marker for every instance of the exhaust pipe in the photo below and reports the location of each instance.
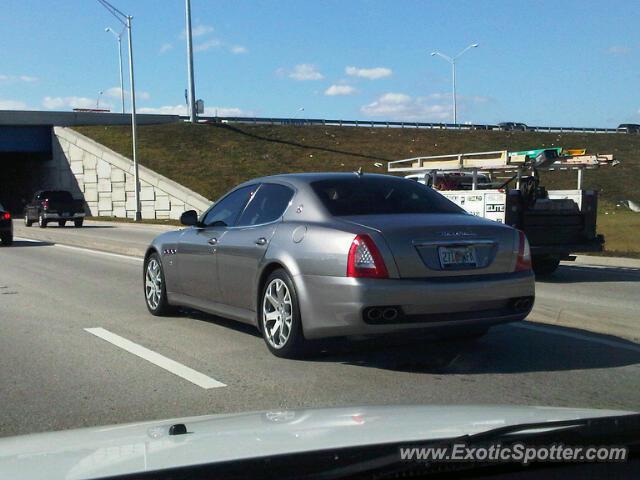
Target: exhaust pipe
(374, 314)
(522, 304)
(389, 314)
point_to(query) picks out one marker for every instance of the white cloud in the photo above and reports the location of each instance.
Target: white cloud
(114, 92)
(305, 71)
(208, 45)
(215, 43)
(165, 47)
(370, 73)
(18, 78)
(12, 105)
(618, 50)
(238, 49)
(334, 90)
(399, 106)
(208, 111)
(56, 103)
(200, 30)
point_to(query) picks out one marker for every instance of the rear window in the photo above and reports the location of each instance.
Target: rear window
(57, 196)
(369, 195)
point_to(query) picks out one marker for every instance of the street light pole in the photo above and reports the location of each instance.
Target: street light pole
(192, 88)
(455, 104)
(126, 22)
(136, 179)
(119, 38)
(452, 61)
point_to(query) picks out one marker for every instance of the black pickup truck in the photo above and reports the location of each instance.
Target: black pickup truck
(54, 206)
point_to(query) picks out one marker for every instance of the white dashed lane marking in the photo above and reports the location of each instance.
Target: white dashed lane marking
(161, 361)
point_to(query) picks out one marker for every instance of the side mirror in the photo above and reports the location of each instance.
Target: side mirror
(189, 218)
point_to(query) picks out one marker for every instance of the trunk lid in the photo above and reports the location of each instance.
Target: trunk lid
(443, 245)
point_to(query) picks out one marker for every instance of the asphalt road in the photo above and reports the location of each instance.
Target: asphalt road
(124, 238)
(55, 374)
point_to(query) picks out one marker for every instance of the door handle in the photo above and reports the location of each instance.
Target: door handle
(261, 241)
(213, 241)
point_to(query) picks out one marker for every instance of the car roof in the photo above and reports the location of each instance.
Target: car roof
(307, 178)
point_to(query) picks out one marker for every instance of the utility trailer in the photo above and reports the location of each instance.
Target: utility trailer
(557, 223)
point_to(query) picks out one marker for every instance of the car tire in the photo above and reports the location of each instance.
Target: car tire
(42, 222)
(6, 239)
(61, 223)
(544, 266)
(77, 223)
(279, 302)
(153, 284)
(27, 222)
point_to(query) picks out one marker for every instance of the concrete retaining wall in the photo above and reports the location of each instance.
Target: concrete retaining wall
(104, 179)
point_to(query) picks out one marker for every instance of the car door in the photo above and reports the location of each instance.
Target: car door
(198, 246)
(242, 248)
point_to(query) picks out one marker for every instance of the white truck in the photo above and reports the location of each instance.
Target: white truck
(557, 222)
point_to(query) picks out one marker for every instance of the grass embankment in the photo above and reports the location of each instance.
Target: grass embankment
(212, 158)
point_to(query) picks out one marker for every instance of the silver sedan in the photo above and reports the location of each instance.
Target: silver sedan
(307, 256)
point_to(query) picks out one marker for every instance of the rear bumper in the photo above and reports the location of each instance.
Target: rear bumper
(59, 216)
(335, 306)
(595, 245)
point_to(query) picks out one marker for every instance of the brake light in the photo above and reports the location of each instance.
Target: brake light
(523, 261)
(364, 259)
(6, 216)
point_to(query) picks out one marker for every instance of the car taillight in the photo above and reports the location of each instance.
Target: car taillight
(523, 261)
(6, 216)
(364, 259)
(45, 204)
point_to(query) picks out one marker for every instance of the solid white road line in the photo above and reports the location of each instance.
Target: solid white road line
(83, 250)
(161, 361)
(577, 336)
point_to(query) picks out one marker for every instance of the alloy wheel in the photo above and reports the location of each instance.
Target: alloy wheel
(153, 283)
(277, 313)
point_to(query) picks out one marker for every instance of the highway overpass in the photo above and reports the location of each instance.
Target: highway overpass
(27, 148)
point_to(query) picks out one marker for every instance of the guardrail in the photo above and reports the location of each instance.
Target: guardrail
(383, 124)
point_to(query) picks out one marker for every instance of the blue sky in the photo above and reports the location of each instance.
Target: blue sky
(569, 63)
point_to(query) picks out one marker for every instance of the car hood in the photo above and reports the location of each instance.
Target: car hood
(147, 446)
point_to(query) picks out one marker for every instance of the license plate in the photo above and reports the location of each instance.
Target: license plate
(457, 257)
